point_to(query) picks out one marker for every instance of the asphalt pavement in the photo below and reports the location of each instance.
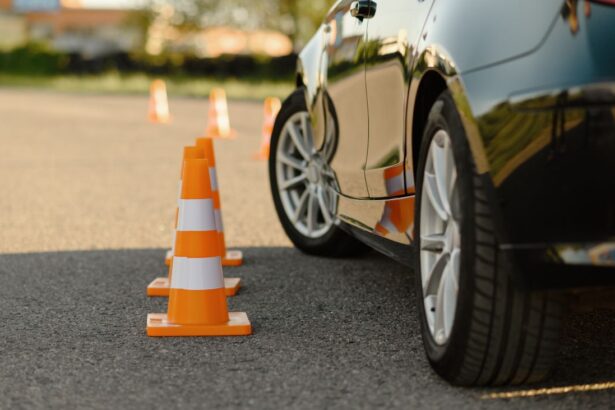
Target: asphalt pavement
(88, 189)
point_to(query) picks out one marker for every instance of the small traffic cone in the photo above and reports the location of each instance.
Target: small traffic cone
(398, 214)
(160, 286)
(158, 103)
(197, 302)
(218, 122)
(231, 257)
(271, 109)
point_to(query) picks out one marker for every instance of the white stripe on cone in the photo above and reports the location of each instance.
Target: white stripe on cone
(196, 215)
(197, 273)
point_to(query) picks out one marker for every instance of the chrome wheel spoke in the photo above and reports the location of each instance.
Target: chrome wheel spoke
(327, 172)
(293, 181)
(298, 141)
(291, 161)
(454, 265)
(449, 299)
(433, 194)
(300, 206)
(432, 279)
(441, 177)
(439, 333)
(322, 203)
(312, 212)
(450, 189)
(433, 242)
(306, 130)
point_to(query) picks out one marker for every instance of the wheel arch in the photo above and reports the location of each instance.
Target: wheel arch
(432, 84)
(434, 71)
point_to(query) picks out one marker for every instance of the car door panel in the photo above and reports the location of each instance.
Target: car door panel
(392, 36)
(348, 99)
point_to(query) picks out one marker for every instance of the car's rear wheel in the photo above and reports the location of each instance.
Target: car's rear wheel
(301, 184)
(479, 328)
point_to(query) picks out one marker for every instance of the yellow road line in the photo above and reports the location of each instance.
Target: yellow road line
(551, 391)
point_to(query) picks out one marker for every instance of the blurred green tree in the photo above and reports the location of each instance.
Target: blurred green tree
(297, 19)
(306, 16)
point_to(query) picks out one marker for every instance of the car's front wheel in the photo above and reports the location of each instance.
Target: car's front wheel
(479, 327)
(301, 184)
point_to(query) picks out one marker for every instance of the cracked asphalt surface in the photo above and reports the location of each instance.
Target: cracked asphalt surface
(88, 192)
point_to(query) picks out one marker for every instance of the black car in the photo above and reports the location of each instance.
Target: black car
(473, 140)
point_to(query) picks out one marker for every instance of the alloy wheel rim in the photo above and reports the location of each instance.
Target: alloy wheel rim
(304, 179)
(440, 241)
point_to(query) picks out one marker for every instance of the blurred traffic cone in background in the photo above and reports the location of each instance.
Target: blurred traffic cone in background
(197, 301)
(271, 110)
(218, 122)
(229, 257)
(158, 103)
(160, 286)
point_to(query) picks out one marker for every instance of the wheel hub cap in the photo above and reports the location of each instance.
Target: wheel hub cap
(313, 173)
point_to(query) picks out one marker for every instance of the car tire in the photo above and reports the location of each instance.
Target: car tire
(334, 242)
(501, 334)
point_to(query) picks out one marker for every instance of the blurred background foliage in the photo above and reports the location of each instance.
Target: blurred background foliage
(244, 40)
(295, 18)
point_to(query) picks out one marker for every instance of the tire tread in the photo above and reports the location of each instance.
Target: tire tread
(517, 344)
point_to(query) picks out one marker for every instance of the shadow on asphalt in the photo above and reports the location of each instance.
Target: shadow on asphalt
(326, 332)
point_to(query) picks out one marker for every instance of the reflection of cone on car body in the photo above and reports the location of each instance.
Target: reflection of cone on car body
(197, 299)
(158, 103)
(398, 214)
(229, 257)
(218, 122)
(160, 286)
(272, 106)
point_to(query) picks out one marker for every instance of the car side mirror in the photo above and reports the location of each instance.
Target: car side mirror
(363, 9)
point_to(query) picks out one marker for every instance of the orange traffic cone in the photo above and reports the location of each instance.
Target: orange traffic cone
(197, 302)
(158, 103)
(271, 109)
(232, 257)
(160, 286)
(398, 214)
(218, 122)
